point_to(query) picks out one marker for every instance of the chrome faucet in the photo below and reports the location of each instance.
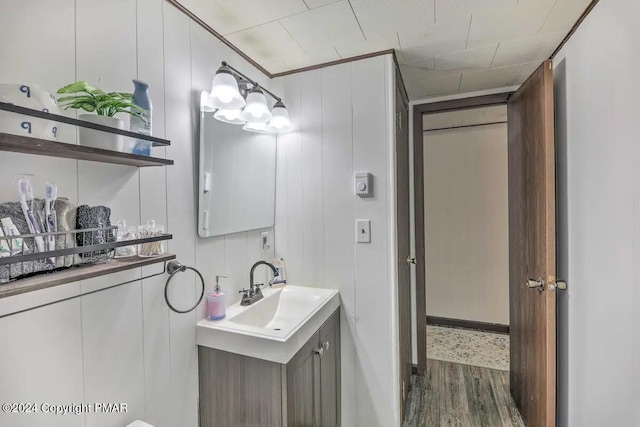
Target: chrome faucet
(254, 294)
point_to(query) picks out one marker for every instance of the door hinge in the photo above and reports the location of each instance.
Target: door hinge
(404, 395)
(399, 119)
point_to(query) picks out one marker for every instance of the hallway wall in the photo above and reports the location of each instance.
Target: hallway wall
(466, 223)
(597, 128)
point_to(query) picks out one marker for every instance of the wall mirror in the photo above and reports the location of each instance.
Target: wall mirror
(237, 178)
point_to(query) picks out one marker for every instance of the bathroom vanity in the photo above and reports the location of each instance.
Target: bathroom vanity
(274, 363)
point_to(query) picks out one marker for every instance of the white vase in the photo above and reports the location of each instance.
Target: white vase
(98, 139)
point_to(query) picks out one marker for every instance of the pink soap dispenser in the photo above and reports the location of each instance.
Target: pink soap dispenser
(217, 302)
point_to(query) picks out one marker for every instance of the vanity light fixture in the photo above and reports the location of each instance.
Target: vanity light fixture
(228, 92)
(280, 121)
(256, 110)
(256, 127)
(225, 93)
(205, 102)
(230, 116)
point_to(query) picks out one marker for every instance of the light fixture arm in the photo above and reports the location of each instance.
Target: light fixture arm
(254, 83)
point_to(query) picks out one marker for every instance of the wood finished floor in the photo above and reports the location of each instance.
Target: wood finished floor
(454, 394)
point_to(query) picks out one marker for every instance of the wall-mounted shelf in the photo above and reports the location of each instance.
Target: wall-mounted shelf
(45, 147)
(71, 121)
(75, 274)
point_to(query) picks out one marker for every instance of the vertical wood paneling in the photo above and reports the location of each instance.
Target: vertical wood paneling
(372, 312)
(339, 225)
(153, 205)
(310, 128)
(292, 144)
(112, 351)
(27, 376)
(237, 265)
(181, 216)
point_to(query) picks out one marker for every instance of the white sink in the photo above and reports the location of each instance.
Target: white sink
(275, 327)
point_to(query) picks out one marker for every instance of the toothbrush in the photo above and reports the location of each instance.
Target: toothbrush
(50, 195)
(26, 195)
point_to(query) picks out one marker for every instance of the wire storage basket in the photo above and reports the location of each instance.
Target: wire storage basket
(28, 254)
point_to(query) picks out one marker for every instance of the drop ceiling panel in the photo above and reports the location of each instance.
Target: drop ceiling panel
(266, 43)
(384, 17)
(519, 20)
(564, 15)
(443, 46)
(324, 27)
(525, 50)
(419, 70)
(465, 61)
(312, 4)
(489, 79)
(250, 13)
(372, 44)
(214, 15)
(433, 87)
(434, 39)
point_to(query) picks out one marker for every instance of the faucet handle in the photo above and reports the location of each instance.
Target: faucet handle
(244, 291)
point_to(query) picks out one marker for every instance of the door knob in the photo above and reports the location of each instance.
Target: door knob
(411, 260)
(319, 351)
(559, 285)
(535, 284)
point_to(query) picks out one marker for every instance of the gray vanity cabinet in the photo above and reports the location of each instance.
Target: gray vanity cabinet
(237, 390)
(313, 379)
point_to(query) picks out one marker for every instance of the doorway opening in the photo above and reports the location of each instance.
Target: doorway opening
(479, 267)
(466, 225)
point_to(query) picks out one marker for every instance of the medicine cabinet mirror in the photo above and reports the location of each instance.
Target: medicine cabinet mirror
(237, 178)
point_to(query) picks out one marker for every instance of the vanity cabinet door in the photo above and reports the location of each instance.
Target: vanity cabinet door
(330, 372)
(303, 386)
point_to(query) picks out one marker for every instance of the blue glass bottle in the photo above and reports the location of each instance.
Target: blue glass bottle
(142, 99)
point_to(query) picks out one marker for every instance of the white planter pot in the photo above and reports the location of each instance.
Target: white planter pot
(98, 139)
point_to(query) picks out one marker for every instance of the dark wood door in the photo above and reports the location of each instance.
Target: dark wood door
(403, 241)
(532, 252)
(330, 372)
(303, 386)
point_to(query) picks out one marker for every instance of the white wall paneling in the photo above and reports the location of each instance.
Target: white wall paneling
(342, 123)
(599, 244)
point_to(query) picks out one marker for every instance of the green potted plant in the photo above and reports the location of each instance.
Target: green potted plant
(105, 105)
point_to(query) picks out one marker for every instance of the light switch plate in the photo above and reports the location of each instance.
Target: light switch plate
(265, 238)
(363, 231)
(363, 182)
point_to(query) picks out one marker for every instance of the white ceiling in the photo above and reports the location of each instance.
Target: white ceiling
(462, 118)
(443, 46)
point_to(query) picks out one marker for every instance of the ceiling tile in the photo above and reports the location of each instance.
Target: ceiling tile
(276, 67)
(564, 15)
(434, 39)
(419, 70)
(213, 15)
(312, 4)
(372, 44)
(432, 87)
(384, 17)
(488, 79)
(465, 61)
(515, 21)
(306, 60)
(323, 28)
(266, 43)
(524, 71)
(250, 13)
(527, 50)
